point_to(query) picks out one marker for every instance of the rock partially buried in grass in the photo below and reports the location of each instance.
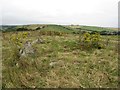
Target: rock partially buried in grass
(37, 41)
(59, 63)
(53, 63)
(27, 49)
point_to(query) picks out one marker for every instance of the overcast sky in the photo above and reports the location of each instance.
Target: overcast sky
(82, 12)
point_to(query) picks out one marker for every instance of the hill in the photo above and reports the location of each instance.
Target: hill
(58, 28)
(62, 28)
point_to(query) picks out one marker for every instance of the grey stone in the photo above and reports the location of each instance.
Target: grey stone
(27, 49)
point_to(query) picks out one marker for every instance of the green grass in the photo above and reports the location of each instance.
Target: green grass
(71, 67)
(92, 28)
(58, 28)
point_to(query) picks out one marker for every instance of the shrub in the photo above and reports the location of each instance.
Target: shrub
(17, 39)
(90, 41)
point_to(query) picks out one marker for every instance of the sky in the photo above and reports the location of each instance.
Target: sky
(79, 12)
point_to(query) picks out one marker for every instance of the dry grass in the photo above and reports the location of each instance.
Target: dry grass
(60, 63)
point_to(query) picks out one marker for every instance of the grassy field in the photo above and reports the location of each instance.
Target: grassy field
(93, 28)
(59, 62)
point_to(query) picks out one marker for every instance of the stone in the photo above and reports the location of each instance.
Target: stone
(38, 41)
(27, 49)
(52, 63)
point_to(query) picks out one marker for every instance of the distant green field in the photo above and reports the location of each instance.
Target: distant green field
(92, 28)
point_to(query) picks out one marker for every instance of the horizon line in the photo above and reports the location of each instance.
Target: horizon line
(56, 24)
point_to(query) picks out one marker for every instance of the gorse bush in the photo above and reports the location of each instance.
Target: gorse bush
(95, 39)
(17, 39)
(89, 41)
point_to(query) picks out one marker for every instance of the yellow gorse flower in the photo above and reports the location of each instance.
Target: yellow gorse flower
(17, 39)
(88, 40)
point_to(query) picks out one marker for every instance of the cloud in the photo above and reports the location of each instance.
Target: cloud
(85, 12)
